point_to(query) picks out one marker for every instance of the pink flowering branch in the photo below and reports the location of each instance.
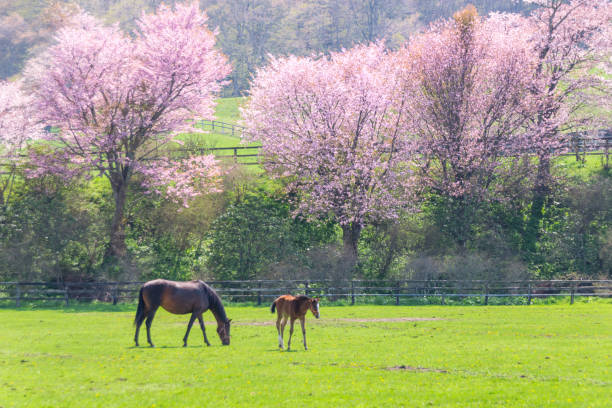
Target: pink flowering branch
(18, 126)
(182, 180)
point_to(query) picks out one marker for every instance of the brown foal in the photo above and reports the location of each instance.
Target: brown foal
(193, 297)
(293, 307)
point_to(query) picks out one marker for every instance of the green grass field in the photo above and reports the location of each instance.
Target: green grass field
(359, 356)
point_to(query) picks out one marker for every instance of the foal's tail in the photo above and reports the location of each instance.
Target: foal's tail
(140, 312)
(273, 307)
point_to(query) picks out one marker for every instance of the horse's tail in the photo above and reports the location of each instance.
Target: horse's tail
(140, 311)
(273, 307)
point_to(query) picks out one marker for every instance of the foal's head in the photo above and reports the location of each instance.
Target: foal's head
(314, 307)
(223, 330)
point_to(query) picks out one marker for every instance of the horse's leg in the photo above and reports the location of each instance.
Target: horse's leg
(150, 317)
(138, 324)
(278, 329)
(191, 319)
(201, 320)
(290, 333)
(303, 323)
(282, 330)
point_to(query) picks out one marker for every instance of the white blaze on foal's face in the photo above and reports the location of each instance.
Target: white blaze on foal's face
(315, 308)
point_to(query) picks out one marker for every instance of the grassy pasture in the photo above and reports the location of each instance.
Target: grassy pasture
(370, 356)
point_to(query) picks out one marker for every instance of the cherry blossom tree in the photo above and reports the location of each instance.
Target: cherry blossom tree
(116, 100)
(17, 126)
(572, 41)
(466, 81)
(332, 129)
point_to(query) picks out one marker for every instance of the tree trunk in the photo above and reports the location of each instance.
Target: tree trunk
(350, 238)
(541, 190)
(117, 247)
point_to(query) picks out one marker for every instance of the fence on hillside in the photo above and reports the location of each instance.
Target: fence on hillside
(223, 127)
(264, 291)
(578, 144)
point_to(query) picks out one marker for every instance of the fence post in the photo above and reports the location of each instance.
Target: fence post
(66, 294)
(235, 155)
(352, 292)
(486, 290)
(573, 291)
(607, 151)
(18, 300)
(114, 294)
(259, 294)
(397, 293)
(529, 294)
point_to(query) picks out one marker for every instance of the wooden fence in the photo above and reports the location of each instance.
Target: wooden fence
(578, 144)
(264, 291)
(222, 127)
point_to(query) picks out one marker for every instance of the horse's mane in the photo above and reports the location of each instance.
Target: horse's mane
(215, 302)
(300, 299)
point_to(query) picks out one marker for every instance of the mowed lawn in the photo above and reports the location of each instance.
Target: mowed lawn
(370, 356)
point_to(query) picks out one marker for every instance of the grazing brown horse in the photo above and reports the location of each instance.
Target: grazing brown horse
(293, 307)
(193, 297)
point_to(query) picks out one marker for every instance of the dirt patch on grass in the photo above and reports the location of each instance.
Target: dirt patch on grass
(388, 319)
(350, 320)
(415, 369)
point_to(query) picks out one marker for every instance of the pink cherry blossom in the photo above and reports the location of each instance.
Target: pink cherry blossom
(18, 126)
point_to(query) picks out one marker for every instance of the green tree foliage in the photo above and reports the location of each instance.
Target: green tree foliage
(166, 240)
(52, 232)
(256, 234)
(576, 230)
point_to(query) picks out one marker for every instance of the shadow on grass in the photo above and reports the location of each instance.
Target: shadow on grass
(144, 348)
(75, 307)
(130, 307)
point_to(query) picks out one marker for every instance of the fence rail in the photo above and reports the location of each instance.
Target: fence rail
(223, 127)
(578, 144)
(260, 291)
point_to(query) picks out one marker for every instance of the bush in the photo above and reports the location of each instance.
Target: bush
(257, 237)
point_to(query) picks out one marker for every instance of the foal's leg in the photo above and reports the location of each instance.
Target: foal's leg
(203, 330)
(303, 323)
(278, 329)
(282, 330)
(191, 319)
(150, 317)
(290, 333)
